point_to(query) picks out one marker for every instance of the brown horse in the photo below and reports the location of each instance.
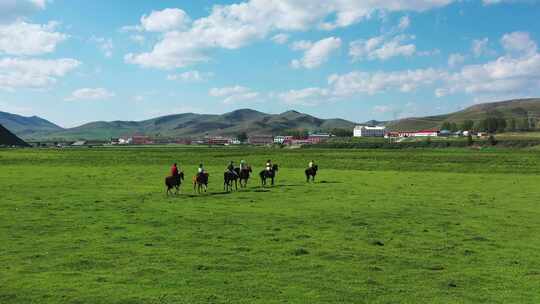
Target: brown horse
(311, 172)
(200, 182)
(243, 175)
(174, 182)
(268, 175)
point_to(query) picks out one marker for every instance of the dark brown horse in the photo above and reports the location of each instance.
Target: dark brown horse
(174, 182)
(200, 182)
(228, 179)
(243, 175)
(311, 172)
(271, 174)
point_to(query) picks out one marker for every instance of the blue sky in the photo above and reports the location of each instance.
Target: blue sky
(78, 61)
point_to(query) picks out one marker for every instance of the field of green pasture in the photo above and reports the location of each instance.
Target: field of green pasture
(405, 226)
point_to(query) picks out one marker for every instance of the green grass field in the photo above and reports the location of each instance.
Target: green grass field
(407, 226)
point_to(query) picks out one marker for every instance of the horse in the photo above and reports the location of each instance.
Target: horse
(228, 179)
(268, 175)
(200, 182)
(243, 175)
(311, 172)
(174, 182)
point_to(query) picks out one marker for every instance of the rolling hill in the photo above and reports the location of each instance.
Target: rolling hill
(510, 109)
(251, 122)
(27, 126)
(193, 125)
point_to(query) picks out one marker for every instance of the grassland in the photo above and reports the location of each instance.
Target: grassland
(407, 226)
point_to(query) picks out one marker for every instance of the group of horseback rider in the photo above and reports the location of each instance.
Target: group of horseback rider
(175, 171)
(232, 173)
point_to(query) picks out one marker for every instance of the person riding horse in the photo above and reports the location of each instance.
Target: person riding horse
(174, 181)
(311, 171)
(174, 170)
(230, 176)
(268, 165)
(269, 172)
(200, 181)
(200, 170)
(243, 172)
(230, 168)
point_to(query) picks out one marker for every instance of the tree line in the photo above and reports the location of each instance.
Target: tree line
(492, 125)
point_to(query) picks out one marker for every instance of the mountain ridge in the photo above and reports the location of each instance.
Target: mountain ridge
(252, 122)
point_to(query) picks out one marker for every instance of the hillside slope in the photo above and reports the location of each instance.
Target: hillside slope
(510, 109)
(193, 125)
(9, 139)
(27, 126)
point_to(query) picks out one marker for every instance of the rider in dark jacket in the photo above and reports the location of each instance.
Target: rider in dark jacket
(230, 168)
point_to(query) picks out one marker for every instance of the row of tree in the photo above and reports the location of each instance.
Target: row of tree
(492, 125)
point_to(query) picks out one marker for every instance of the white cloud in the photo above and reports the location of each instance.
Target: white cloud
(11, 10)
(315, 53)
(519, 43)
(480, 47)
(380, 48)
(235, 94)
(90, 94)
(305, 97)
(404, 23)
(105, 45)
(33, 73)
(190, 76)
(455, 59)
(236, 25)
(166, 20)
(515, 73)
(21, 38)
(372, 83)
(280, 38)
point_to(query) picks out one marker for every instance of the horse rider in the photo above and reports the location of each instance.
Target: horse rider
(200, 170)
(269, 165)
(174, 170)
(311, 164)
(243, 165)
(230, 168)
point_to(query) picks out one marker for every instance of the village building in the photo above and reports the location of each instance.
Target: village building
(261, 140)
(280, 139)
(369, 131)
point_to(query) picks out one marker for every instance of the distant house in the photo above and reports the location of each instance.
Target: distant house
(446, 133)
(369, 131)
(141, 140)
(280, 139)
(405, 134)
(217, 140)
(427, 133)
(318, 137)
(79, 143)
(261, 140)
(125, 140)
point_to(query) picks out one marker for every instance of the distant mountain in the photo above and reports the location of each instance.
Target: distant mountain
(27, 126)
(9, 139)
(194, 125)
(510, 109)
